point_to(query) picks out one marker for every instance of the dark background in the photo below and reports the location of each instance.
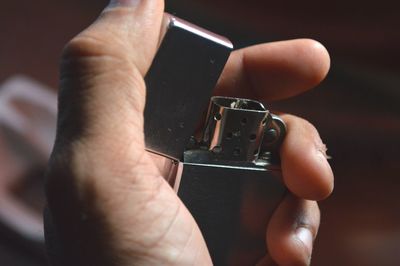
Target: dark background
(356, 108)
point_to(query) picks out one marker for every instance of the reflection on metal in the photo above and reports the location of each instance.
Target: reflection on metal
(233, 191)
(229, 178)
(179, 85)
(235, 128)
(232, 206)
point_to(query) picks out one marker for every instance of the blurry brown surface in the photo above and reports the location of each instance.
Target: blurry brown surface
(356, 109)
(362, 31)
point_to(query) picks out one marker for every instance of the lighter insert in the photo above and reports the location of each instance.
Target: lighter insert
(228, 176)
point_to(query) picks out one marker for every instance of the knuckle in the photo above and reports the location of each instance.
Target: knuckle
(306, 125)
(314, 218)
(298, 123)
(81, 46)
(308, 128)
(94, 45)
(307, 213)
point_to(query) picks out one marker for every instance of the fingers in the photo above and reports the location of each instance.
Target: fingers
(280, 70)
(305, 169)
(292, 230)
(275, 70)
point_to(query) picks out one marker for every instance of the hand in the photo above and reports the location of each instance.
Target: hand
(108, 201)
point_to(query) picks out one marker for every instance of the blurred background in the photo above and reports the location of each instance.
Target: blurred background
(356, 109)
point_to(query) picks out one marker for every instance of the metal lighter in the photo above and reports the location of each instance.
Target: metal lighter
(229, 178)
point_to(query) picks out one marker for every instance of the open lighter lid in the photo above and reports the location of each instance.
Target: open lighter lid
(179, 84)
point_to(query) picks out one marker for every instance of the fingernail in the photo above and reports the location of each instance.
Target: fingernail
(306, 237)
(323, 150)
(131, 3)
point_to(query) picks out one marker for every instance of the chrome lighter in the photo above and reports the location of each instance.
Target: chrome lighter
(228, 176)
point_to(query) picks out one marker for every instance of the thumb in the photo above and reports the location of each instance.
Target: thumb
(126, 29)
(102, 71)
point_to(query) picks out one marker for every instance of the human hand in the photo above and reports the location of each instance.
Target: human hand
(109, 203)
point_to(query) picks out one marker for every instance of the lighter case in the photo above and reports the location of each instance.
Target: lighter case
(227, 170)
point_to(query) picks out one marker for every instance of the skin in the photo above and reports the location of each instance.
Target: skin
(108, 201)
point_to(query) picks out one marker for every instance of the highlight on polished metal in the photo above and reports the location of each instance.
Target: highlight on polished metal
(226, 170)
(179, 84)
(235, 128)
(230, 179)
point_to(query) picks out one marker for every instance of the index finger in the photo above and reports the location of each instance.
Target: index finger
(274, 71)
